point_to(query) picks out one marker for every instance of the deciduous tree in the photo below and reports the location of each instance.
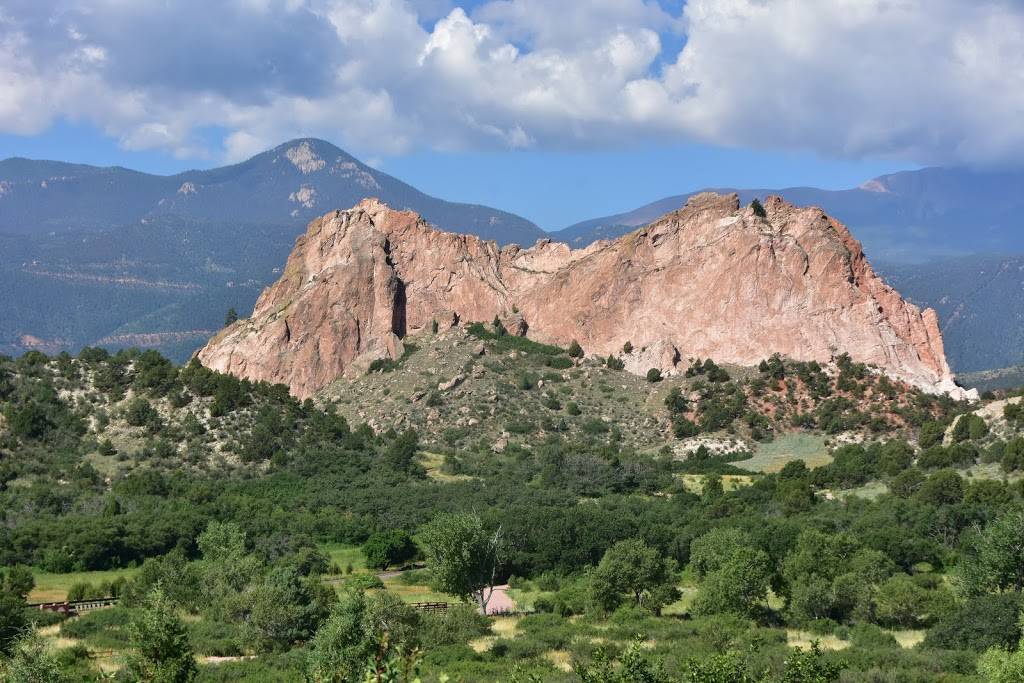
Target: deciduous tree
(632, 570)
(464, 556)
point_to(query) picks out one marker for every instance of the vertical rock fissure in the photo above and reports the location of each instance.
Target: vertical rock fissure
(398, 313)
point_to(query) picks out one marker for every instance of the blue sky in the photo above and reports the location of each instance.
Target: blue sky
(557, 111)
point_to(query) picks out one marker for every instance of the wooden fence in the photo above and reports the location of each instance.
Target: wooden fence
(73, 607)
(431, 606)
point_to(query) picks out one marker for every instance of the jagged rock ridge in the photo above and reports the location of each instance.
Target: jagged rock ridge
(710, 280)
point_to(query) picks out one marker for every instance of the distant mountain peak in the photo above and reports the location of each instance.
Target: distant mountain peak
(874, 185)
(303, 157)
(316, 146)
(285, 184)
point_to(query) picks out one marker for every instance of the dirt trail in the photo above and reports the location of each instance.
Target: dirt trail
(500, 602)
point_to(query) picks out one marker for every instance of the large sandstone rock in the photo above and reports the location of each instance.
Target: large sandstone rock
(710, 280)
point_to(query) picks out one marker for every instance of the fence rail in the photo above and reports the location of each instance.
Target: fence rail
(73, 607)
(431, 606)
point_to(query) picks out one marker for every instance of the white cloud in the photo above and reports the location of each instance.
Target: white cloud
(852, 77)
(929, 80)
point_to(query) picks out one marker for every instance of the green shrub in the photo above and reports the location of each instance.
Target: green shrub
(526, 381)
(379, 365)
(548, 581)
(81, 591)
(871, 637)
(978, 624)
(654, 375)
(552, 403)
(676, 402)
(414, 577)
(457, 626)
(544, 604)
(363, 582)
(215, 639)
(519, 427)
(550, 630)
(141, 413)
(931, 434)
(683, 428)
(100, 627)
(387, 548)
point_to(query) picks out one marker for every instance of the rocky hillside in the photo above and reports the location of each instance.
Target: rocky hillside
(470, 387)
(712, 279)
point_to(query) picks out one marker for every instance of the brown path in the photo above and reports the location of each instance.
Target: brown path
(500, 602)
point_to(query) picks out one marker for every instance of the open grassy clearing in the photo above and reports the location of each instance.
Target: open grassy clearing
(773, 455)
(869, 491)
(989, 470)
(694, 483)
(107, 660)
(344, 555)
(433, 462)
(683, 604)
(560, 659)
(418, 593)
(804, 639)
(501, 627)
(909, 638)
(52, 587)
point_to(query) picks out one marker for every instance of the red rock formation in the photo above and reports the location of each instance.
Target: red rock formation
(709, 280)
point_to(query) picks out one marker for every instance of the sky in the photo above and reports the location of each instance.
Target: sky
(555, 110)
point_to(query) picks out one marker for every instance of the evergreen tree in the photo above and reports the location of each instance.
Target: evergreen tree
(161, 651)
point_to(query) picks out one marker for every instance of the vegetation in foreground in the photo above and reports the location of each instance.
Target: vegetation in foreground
(225, 515)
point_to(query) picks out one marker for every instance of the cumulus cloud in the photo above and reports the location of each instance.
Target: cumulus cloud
(930, 80)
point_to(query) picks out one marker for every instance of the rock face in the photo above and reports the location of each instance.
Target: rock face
(710, 280)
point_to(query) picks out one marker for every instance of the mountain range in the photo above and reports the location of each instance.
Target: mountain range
(286, 186)
(980, 302)
(115, 257)
(906, 217)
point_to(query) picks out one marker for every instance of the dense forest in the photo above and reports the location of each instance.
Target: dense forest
(249, 536)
